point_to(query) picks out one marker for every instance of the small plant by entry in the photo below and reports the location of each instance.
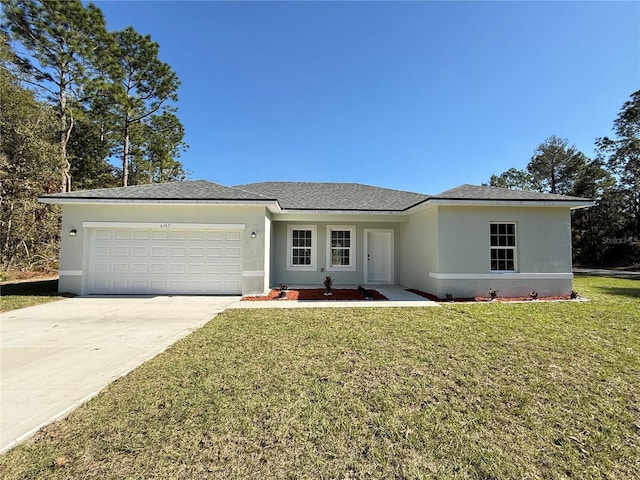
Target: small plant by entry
(328, 282)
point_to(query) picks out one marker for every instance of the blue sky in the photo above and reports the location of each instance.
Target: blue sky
(418, 96)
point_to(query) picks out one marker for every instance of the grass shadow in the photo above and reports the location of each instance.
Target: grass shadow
(37, 288)
(621, 291)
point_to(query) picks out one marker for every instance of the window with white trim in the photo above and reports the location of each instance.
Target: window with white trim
(302, 247)
(503, 247)
(341, 247)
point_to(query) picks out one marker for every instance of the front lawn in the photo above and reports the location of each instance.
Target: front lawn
(531, 390)
(26, 294)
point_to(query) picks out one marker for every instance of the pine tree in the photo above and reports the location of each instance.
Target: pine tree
(62, 45)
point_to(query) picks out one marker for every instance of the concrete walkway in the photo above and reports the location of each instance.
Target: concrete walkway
(397, 297)
(56, 356)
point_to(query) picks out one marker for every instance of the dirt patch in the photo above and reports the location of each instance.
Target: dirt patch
(16, 276)
(341, 294)
(488, 299)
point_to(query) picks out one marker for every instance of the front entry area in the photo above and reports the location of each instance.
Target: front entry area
(378, 256)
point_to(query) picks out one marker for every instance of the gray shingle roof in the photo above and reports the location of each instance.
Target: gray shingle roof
(192, 190)
(474, 192)
(303, 195)
(335, 196)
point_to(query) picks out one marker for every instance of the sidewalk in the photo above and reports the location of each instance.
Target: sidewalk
(603, 272)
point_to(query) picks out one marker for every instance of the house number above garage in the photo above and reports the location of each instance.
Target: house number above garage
(166, 225)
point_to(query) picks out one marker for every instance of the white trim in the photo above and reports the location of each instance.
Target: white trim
(314, 248)
(272, 204)
(253, 273)
(301, 211)
(432, 202)
(391, 234)
(513, 203)
(70, 273)
(338, 217)
(501, 276)
(166, 225)
(352, 248)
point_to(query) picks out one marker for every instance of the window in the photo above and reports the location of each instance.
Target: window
(302, 247)
(503, 247)
(341, 248)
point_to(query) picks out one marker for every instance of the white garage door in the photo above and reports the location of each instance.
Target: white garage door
(157, 261)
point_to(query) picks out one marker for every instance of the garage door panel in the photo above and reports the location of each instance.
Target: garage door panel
(120, 285)
(140, 268)
(141, 286)
(177, 268)
(121, 268)
(195, 268)
(130, 261)
(140, 251)
(158, 268)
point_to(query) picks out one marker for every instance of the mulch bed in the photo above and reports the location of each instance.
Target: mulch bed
(487, 299)
(341, 294)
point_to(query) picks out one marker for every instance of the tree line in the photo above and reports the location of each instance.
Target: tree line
(609, 232)
(81, 107)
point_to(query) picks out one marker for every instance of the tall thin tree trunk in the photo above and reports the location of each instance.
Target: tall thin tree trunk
(65, 133)
(125, 154)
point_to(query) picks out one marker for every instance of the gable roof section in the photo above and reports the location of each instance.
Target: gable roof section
(474, 192)
(335, 196)
(197, 190)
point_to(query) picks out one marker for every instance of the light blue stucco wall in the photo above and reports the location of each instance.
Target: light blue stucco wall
(281, 275)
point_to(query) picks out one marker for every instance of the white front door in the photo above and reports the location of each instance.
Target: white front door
(378, 252)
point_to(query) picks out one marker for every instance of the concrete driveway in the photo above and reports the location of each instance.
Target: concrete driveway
(56, 356)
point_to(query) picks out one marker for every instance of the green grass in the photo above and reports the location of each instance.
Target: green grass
(27, 294)
(533, 390)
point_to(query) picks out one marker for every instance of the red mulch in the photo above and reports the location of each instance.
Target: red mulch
(487, 299)
(316, 294)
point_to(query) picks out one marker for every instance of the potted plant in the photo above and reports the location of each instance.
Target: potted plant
(328, 281)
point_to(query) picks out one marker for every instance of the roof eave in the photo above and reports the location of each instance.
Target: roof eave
(271, 204)
(329, 211)
(512, 202)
